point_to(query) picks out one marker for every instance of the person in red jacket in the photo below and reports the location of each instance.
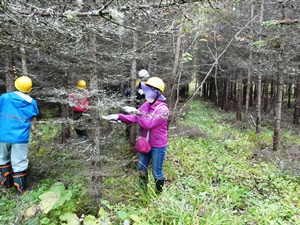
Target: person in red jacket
(79, 100)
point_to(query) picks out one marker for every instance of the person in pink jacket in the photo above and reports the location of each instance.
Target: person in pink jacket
(152, 115)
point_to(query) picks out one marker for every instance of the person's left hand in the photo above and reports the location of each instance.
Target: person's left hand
(110, 117)
(113, 117)
(130, 109)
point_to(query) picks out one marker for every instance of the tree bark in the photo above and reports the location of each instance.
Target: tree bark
(276, 138)
(239, 99)
(23, 60)
(96, 178)
(9, 71)
(296, 119)
(177, 51)
(227, 93)
(266, 95)
(133, 73)
(247, 103)
(65, 126)
(251, 95)
(258, 85)
(289, 92)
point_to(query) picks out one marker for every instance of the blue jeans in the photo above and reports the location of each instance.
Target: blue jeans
(157, 155)
(17, 154)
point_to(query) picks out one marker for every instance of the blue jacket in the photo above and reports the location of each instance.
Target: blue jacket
(16, 113)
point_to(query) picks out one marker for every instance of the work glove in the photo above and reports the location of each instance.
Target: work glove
(140, 91)
(129, 109)
(113, 118)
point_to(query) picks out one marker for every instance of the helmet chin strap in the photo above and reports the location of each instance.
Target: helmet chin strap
(157, 95)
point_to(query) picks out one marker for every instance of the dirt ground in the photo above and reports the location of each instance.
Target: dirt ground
(288, 159)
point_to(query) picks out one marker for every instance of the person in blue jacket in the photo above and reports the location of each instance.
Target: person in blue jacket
(17, 110)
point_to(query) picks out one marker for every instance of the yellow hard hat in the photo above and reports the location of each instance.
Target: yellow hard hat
(23, 84)
(156, 82)
(81, 84)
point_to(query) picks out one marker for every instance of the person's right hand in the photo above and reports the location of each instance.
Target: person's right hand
(113, 117)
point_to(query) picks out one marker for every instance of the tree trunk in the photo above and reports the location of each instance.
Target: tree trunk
(65, 112)
(234, 93)
(276, 138)
(296, 119)
(239, 99)
(204, 91)
(177, 51)
(133, 127)
(96, 164)
(9, 71)
(23, 59)
(289, 92)
(258, 85)
(266, 95)
(272, 91)
(226, 93)
(251, 95)
(216, 86)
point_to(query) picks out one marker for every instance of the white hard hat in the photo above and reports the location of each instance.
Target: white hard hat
(143, 73)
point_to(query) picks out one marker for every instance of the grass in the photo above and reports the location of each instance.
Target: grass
(215, 179)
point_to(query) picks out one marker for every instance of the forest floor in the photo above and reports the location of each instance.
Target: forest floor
(288, 155)
(212, 161)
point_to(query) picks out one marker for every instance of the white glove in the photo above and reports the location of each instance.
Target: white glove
(130, 109)
(140, 91)
(113, 117)
(110, 117)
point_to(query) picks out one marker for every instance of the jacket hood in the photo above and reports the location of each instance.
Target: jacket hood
(20, 99)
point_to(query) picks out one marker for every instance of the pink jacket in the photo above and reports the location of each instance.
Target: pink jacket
(153, 118)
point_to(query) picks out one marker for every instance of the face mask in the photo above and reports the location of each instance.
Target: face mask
(148, 99)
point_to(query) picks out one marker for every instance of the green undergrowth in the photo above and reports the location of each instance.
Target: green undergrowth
(213, 178)
(216, 179)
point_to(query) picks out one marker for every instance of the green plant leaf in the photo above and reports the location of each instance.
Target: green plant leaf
(135, 218)
(91, 220)
(31, 211)
(35, 221)
(102, 212)
(65, 196)
(122, 215)
(45, 221)
(70, 218)
(58, 188)
(48, 201)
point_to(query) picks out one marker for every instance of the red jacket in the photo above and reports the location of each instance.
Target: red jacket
(79, 100)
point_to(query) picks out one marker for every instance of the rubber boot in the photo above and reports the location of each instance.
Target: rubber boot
(5, 175)
(20, 182)
(159, 183)
(143, 181)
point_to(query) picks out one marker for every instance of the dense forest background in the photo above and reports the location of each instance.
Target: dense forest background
(241, 55)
